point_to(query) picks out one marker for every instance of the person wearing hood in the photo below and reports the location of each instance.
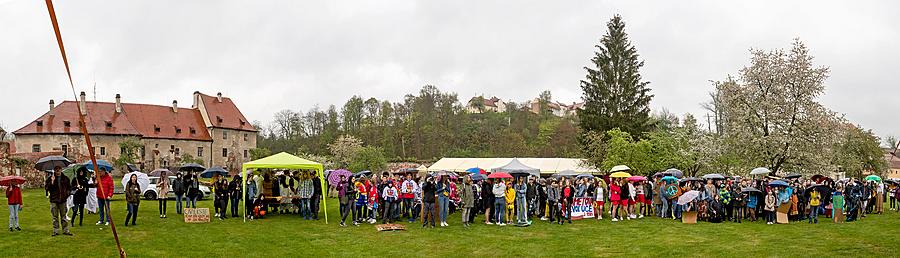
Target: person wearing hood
(179, 189)
(58, 186)
(80, 186)
(104, 187)
(428, 195)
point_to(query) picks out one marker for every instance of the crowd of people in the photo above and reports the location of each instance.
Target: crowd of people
(431, 199)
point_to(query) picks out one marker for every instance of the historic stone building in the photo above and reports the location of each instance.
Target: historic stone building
(212, 130)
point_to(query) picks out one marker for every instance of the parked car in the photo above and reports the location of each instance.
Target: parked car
(151, 194)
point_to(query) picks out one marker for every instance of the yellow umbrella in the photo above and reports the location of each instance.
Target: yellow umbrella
(620, 174)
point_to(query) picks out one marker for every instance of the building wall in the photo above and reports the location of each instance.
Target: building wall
(237, 143)
(166, 153)
(105, 146)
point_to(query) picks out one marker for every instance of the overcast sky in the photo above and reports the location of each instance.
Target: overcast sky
(274, 55)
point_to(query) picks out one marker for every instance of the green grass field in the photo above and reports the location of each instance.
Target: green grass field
(291, 236)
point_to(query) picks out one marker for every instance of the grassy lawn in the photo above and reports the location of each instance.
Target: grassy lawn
(291, 236)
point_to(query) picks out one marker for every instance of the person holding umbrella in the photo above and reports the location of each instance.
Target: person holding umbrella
(79, 198)
(428, 196)
(58, 186)
(14, 200)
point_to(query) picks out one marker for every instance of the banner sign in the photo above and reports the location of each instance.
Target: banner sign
(196, 215)
(582, 208)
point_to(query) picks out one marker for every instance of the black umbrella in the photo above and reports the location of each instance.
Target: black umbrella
(48, 163)
(209, 173)
(132, 167)
(362, 173)
(192, 167)
(792, 176)
(691, 179)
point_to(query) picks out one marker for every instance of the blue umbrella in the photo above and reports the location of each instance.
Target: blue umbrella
(101, 164)
(779, 183)
(669, 178)
(209, 173)
(475, 170)
(50, 162)
(478, 177)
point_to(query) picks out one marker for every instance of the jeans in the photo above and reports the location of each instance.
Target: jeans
(58, 210)
(500, 209)
(465, 214)
(428, 213)
(521, 210)
(770, 216)
(553, 210)
(678, 211)
(304, 209)
(345, 210)
(314, 205)
(162, 206)
(814, 213)
(235, 203)
(14, 216)
(192, 201)
(389, 210)
(132, 213)
(178, 198)
(664, 210)
(103, 210)
(414, 211)
(444, 205)
(78, 210)
(407, 208)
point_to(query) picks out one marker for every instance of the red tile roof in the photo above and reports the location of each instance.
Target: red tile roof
(147, 118)
(225, 114)
(136, 120)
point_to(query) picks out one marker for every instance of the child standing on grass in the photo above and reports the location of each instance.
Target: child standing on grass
(770, 208)
(510, 203)
(615, 195)
(14, 199)
(599, 192)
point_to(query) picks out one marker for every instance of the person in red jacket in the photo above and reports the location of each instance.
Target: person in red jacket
(14, 199)
(104, 194)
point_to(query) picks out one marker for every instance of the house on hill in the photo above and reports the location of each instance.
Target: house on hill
(480, 104)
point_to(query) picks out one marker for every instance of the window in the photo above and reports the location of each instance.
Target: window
(102, 151)
(67, 123)
(219, 119)
(193, 131)
(245, 154)
(156, 129)
(65, 149)
(224, 135)
(177, 130)
(143, 151)
(245, 137)
(177, 151)
(243, 123)
(108, 124)
(40, 122)
(199, 152)
(224, 152)
(36, 148)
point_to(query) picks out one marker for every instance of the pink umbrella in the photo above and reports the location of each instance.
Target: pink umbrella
(335, 177)
(12, 180)
(499, 175)
(637, 178)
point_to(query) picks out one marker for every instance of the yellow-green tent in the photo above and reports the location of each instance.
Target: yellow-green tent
(285, 161)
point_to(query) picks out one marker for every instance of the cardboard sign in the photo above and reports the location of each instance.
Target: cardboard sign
(390, 227)
(582, 208)
(689, 217)
(196, 215)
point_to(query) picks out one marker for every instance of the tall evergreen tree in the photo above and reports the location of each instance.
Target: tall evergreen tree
(615, 96)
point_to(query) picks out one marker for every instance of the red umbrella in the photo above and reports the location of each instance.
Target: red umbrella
(499, 175)
(637, 178)
(12, 180)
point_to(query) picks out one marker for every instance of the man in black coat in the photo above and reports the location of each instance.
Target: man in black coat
(57, 186)
(428, 196)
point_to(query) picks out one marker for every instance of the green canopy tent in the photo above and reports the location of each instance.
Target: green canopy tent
(284, 161)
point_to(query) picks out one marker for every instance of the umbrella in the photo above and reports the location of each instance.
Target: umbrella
(478, 177)
(873, 178)
(688, 197)
(620, 175)
(131, 167)
(567, 172)
(476, 171)
(142, 180)
(817, 186)
(750, 190)
(585, 176)
(192, 167)
(792, 176)
(817, 178)
(408, 170)
(714, 177)
(619, 168)
(637, 178)
(499, 175)
(11, 180)
(891, 181)
(515, 167)
(209, 173)
(362, 173)
(760, 171)
(160, 172)
(72, 170)
(335, 177)
(779, 183)
(691, 179)
(674, 172)
(658, 174)
(49, 162)
(669, 178)
(101, 164)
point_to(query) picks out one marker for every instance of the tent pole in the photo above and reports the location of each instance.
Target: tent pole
(244, 192)
(322, 192)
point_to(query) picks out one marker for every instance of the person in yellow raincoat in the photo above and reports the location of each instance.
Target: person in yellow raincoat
(510, 203)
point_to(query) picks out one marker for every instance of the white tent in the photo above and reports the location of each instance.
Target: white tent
(546, 165)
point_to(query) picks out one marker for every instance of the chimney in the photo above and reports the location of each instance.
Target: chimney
(52, 104)
(118, 103)
(82, 105)
(219, 97)
(196, 100)
(175, 106)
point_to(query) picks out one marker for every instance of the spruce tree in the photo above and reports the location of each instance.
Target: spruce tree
(614, 95)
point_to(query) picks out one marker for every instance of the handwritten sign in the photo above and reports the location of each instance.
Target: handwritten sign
(582, 208)
(390, 227)
(196, 215)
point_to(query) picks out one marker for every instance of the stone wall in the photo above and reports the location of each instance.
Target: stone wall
(231, 148)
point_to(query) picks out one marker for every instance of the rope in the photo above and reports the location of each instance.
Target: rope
(83, 125)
